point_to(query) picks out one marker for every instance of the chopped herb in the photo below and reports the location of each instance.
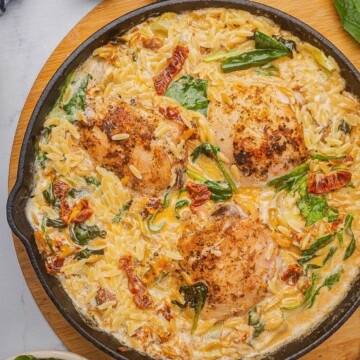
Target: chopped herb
(77, 101)
(318, 244)
(256, 321)
(117, 218)
(151, 227)
(348, 230)
(81, 233)
(212, 151)
(179, 205)
(92, 180)
(195, 296)
(349, 12)
(345, 127)
(191, 93)
(86, 253)
(268, 71)
(327, 157)
(329, 282)
(56, 223)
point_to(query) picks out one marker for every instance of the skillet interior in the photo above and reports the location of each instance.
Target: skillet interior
(22, 189)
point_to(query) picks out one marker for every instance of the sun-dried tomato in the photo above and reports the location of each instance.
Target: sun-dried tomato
(61, 188)
(103, 296)
(292, 274)
(142, 298)
(54, 266)
(321, 184)
(152, 43)
(163, 80)
(84, 213)
(199, 194)
(65, 210)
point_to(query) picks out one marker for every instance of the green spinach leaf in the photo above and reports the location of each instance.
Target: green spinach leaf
(92, 180)
(268, 71)
(191, 93)
(117, 218)
(318, 244)
(256, 321)
(348, 230)
(179, 205)
(194, 295)
(56, 223)
(77, 101)
(349, 12)
(220, 191)
(86, 253)
(81, 233)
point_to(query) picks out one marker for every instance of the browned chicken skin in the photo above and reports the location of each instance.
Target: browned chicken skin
(230, 256)
(142, 149)
(266, 138)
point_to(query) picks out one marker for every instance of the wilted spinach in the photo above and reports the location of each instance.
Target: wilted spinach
(117, 218)
(194, 295)
(348, 230)
(40, 155)
(211, 151)
(81, 233)
(49, 196)
(86, 253)
(256, 321)
(92, 180)
(190, 92)
(77, 101)
(179, 205)
(56, 223)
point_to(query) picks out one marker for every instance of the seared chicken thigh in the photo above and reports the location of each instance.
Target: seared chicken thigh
(125, 139)
(232, 257)
(258, 132)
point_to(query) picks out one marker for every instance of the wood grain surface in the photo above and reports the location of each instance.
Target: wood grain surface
(320, 14)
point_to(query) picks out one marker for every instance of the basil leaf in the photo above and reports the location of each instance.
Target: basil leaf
(318, 244)
(252, 59)
(56, 223)
(77, 101)
(92, 180)
(349, 12)
(86, 253)
(179, 205)
(194, 295)
(191, 93)
(117, 218)
(81, 233)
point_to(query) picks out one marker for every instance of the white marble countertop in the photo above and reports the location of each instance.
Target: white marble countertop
(30, 31)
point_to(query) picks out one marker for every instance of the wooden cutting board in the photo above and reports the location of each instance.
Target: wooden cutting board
(320, 14)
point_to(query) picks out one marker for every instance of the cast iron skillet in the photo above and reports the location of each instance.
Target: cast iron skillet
(20, 193)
